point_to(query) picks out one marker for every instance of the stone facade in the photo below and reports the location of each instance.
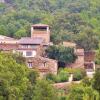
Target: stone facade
(32, 48)
(89, 56)
(89, 61)
(85, 59)
(41, 30)
(44, 65)
(79, 63)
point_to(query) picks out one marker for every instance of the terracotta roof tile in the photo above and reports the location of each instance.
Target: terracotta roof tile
(2, 37)
(28, 40)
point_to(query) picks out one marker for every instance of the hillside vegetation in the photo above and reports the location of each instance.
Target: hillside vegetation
(17, 82)
(72, 20)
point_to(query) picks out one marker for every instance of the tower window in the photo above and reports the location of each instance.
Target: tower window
(40, 28)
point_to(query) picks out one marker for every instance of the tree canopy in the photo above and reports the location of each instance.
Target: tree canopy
(61, 53)
(18, 82)
(68, 19)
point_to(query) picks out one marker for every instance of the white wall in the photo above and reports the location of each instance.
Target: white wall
(33, 53)
(23, 52)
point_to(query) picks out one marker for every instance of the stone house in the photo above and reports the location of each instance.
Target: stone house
(8, 44)
(89, 60)
(85, 59)
(32, 48)
(79, 53)
(43, 65)
(79, 63)
(89, 56)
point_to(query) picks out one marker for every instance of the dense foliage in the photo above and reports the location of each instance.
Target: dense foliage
(17, 82)
(72, 20)
(64, 74)
(88, 89)
(96, 82)
(13, 78)
(61, 53)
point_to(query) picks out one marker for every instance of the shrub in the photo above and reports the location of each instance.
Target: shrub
(86, 81)
(63, 76)
(70, 70)
(51, 77)
(79, 74)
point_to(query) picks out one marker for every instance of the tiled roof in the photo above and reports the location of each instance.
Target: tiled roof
(7, 40)
(2, 37)
(28, 40)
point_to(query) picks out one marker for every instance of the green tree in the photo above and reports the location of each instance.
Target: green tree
(76, 93)
(3, 30)
(84, 40)
(79, 92)
(90, 94)
(96, 82)
(97, 57)
(44, 91)
(61, 53)
(21, 33)
(29, 93)
(15, 78)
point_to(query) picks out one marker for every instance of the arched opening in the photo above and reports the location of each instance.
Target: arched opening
(61, 64)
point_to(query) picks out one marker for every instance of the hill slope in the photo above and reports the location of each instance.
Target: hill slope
(70, 20)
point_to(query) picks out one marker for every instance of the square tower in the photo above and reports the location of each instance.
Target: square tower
(41, 31)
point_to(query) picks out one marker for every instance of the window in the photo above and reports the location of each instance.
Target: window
(24, 46)
(44, 64)
(40, 28)
(30, 64)
(28, 53)
(33, 46)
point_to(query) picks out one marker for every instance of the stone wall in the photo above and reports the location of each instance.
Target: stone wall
(89, 56)
(44, 65)
(79, 63)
